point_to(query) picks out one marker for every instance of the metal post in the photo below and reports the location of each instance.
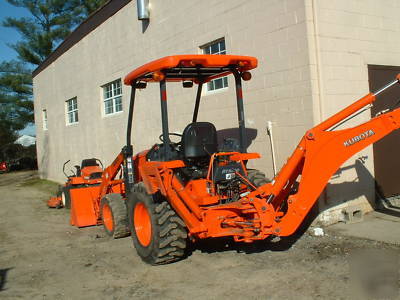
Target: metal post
(271, 138)
(164, 119)
(239, 99)
(130, 114)
(128, 149)
(196, 107)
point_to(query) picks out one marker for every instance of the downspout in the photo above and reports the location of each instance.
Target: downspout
(271, 140)
(143, 11)
(319, 104)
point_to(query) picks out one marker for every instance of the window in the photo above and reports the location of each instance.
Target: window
(72, 110)
(112, 97)
(217, 47)
(44, 119)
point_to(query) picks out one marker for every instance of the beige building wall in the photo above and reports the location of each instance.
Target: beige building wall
(345, 36)
(280, 91)
(313, 60)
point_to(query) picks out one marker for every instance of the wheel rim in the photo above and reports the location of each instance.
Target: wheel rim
(63, 198)
(142, 224)
(108, 217)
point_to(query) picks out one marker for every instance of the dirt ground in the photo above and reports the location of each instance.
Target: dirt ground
(43, 257)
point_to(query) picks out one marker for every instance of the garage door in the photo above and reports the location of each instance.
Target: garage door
(387, 150)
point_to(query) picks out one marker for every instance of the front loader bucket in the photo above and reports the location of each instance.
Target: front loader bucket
(82, 206)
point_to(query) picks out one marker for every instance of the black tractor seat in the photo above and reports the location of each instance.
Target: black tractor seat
(89, 162)
(199, 140)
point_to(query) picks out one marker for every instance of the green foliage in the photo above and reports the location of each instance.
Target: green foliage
(87, 7)
(7, 136)
(11, 152)
(47, 186)
(50, 23)
(15, 151)
(16, 106)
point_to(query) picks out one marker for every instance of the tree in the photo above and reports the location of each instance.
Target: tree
(16, 106)
(15, 94)
(87, 7)
(50, 23)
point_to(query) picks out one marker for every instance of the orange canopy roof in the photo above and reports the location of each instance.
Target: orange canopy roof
(192, 67)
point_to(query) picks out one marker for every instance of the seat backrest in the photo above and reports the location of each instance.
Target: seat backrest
(90, 162)
(199, 139)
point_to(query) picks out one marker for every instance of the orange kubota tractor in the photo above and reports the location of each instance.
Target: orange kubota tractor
(197, 189)
(87, 175)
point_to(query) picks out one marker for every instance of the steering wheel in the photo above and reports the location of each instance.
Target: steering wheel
(170, 133)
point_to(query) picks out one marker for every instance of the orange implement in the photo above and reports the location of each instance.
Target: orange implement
(55, 202)
(82, 206)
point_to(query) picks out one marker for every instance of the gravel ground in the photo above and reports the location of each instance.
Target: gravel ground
(43, 257)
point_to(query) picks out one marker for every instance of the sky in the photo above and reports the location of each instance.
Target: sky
(9, 36)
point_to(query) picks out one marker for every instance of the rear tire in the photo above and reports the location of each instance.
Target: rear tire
(257, 177)
(159, 234)
(114, 216)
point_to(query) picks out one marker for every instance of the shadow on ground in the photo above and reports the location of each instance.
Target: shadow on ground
(354, 189)
(269, 244)
(3, 278)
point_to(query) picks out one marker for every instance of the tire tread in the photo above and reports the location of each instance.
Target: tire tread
(171, 234)
(120, 216)
(257, 177)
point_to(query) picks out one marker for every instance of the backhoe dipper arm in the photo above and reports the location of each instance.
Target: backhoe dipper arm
(318, 156)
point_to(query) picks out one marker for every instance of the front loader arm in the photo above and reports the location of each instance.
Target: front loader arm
(318, 156)
(107, 180)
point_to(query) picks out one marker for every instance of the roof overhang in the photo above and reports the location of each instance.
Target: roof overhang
(191, 67)
(90, 24)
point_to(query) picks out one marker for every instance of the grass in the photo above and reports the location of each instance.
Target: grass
(42, 185)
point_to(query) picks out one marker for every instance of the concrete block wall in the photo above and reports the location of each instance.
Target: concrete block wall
(345, 36)
(272, 30)
(313, 59)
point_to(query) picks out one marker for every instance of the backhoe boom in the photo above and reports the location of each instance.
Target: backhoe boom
(317, 157)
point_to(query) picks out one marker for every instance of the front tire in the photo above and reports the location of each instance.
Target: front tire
(66, 197)
(114, 216)
(159, 234)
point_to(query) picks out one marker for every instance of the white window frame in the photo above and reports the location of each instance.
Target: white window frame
(208, 49)
(72, 115)
(44, 119)
(112, 93)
